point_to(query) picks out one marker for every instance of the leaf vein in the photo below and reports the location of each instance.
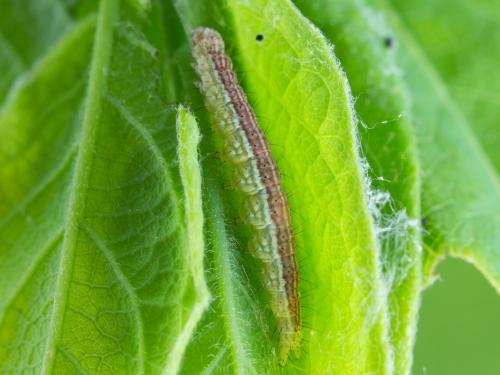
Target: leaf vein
(129, 289)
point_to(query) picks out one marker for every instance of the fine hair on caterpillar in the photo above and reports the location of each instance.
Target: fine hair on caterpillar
(256, 177)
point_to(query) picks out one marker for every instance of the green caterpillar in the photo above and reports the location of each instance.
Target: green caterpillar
(257, 177)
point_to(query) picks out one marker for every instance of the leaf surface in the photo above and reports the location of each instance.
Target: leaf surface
(364, 47)
(93, 217)
(463, 47)
(121, 250)
(25, 36)
(460, 187)
(303, 103)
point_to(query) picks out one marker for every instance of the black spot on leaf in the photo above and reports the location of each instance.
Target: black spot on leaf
(388, 41)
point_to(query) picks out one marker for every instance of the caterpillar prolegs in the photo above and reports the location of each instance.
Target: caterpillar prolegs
(257, 177)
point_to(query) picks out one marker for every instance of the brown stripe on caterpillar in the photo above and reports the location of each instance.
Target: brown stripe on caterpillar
(266, 206)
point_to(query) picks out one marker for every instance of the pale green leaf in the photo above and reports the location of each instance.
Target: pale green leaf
(121, 248)
(364, 46)
(189, 138)
(303, 103)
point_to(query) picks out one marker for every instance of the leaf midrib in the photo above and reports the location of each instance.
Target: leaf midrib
(108, 12)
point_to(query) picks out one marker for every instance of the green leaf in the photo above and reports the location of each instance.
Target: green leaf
(461, 190)
(122, 252)
(38, 127)
(189, 166)
(463, 48)
(107, 275)
(25, 36)
(303, 103)
(387, 140)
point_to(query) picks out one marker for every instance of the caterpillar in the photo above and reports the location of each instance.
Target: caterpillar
(256, 175)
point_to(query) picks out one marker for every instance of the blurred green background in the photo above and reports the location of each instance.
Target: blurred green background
(459, 328)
